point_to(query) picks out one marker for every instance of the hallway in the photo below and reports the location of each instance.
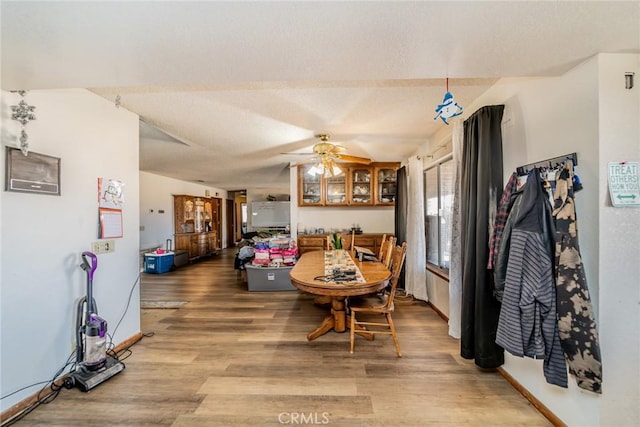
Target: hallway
(229, 357)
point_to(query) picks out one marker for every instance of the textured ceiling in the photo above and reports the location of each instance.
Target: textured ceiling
(234, 84)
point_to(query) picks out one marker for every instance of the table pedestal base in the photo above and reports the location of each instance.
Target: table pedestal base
(337, 321)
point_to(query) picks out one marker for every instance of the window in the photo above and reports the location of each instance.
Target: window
(438, 189)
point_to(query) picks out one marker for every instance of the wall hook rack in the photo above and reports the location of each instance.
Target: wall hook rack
(549, 163)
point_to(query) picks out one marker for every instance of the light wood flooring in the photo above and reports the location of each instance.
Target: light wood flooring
(230, 357)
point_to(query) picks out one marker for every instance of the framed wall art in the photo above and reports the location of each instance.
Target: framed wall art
(33, 173)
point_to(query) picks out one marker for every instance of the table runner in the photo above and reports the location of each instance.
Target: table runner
(341, 260)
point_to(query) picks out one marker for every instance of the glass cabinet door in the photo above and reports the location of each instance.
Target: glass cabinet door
(199, 216)
(361, 190)
(208, 215)
(189, 215)
(386, 186)
(184, 214)
(336, 190)
(309, 187)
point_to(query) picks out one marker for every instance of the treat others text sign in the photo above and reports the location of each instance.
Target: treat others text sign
(624, 184)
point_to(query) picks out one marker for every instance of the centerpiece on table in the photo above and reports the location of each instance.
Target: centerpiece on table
(335, 241)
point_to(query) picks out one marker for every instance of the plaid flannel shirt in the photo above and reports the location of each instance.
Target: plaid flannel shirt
(501, 218)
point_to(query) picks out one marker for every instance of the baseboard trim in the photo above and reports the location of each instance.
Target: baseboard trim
(28, 401)
(546, 412)
(438, 312)
(128, 342)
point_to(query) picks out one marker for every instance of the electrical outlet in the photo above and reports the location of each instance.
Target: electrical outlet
(103, 246)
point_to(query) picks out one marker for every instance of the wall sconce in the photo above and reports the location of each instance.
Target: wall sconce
(23, 113)
(628, 80)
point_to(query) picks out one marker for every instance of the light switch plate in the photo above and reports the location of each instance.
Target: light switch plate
(103, 246)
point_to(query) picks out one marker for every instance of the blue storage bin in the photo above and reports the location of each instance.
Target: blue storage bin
(158, 263)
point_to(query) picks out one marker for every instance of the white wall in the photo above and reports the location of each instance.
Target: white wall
(587, 111)
(371, 220)
(43, 236)
(438, 292)
(156, 193)
(619, 252)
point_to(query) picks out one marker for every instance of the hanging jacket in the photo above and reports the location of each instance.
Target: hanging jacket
(527, 325)
(502, 252)
(502, 214)
(576, 321)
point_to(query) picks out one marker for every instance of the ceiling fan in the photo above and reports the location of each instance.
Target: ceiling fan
(324, 151)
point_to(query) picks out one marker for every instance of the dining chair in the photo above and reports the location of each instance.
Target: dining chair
(386, 249)
(383, 243)
(379, 305)
(348, 241)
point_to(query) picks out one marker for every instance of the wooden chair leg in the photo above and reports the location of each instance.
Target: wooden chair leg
(352, 330)
(393, 334)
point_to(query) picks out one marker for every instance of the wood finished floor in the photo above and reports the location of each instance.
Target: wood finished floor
(234, 358)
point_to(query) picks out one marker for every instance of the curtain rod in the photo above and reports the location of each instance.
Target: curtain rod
(440, 160)
(554, 161)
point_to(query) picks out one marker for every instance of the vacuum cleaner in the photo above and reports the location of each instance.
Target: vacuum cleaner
(93, 365)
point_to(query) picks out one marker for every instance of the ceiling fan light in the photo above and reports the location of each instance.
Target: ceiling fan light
(336, 170)
(327, 167)
(314, 170)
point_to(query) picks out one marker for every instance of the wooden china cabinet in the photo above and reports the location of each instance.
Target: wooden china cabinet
(361, 185)
(196, 225)
(336, 190)
(310, 187)
(358, 185)
(386, 187)
(318, 242)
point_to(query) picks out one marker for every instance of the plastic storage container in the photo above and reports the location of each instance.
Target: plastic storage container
(158, 263)
(180, 258)
(268, 278)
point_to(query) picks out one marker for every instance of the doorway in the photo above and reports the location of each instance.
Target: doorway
(229, 226)
(239, 200)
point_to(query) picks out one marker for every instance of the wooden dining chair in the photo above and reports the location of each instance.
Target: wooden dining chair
(386, 250)
(383, 243)
(348, 241)
(379, 305)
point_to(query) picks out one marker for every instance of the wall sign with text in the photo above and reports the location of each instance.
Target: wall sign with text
(624, 184)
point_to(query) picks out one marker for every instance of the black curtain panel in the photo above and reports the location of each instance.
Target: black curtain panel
(481, 191)
(401, 212)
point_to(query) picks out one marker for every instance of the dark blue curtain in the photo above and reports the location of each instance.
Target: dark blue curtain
(481, 191)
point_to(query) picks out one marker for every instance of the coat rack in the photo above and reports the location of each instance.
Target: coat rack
(549, 163)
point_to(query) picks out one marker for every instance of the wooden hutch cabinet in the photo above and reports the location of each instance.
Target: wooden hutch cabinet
(386, 186)
(336, 190)
(359, 185)
(360, 188)
(196, 222)
(318, 242)
(310, 188)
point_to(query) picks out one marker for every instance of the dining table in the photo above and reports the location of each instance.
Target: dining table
(337, 275)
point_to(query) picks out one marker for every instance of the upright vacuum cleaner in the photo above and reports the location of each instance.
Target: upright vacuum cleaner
(93, 365)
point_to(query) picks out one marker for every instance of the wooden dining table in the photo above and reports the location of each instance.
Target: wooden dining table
(311, 266)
